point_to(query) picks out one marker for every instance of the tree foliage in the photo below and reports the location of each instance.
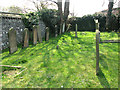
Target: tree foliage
(48, 16)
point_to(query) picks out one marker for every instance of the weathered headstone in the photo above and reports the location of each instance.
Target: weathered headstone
(34, 35)
(76, 31)
(12, 40)
(47, 33)
(39, 33)
(26, 38)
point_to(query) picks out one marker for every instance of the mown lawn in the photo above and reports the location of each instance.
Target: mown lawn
(72, 65)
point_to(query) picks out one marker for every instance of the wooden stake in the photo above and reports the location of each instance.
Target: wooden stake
(97, 51)
(110, 41)
(18, 67)
(76, 31)
(47, 33)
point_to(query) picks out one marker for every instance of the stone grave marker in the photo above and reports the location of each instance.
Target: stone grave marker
(34, 35)
(12, 40)
(39, 34)
(26, 38)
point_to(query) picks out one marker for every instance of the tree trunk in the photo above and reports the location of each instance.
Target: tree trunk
(119, 17)
(59, 3)
(66, 12)
(109, 13)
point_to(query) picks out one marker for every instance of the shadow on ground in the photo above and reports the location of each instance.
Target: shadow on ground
(103, 80)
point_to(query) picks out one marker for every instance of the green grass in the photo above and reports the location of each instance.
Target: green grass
(73, 65)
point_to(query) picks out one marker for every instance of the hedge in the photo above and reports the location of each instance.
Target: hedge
(87, 23)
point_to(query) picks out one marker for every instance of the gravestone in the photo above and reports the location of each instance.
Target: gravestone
(47, 33)
(12, 40)
(39, 34)
(34, 35)
(26, 38)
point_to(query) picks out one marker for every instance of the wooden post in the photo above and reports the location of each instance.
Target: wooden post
(56, 33)
(97, 52)
(97, 47)
(63, 28)
(47, 33)
(76, 31)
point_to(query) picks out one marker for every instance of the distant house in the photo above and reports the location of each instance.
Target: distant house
(115, 12)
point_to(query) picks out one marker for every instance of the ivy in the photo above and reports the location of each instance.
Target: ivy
(48, 16)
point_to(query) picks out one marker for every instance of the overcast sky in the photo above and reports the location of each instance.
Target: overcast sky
(80, 7)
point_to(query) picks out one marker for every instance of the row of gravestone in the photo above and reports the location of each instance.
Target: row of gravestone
(36, 35)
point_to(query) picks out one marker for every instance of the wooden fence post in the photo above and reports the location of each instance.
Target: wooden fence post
(63, 28)
(97, 46)
(47, 33)
(76, 31)
(56, 31)
(97, 51)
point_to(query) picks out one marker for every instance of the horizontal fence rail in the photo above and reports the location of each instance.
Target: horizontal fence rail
(110, 41)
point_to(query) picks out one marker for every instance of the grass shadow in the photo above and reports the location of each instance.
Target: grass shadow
(103, 62)
(103, 80)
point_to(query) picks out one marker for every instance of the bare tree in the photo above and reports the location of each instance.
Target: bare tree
(66, 13)
(62, 18)
(109, 13)
(59, 4)
(119, 9)
(60, 13)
